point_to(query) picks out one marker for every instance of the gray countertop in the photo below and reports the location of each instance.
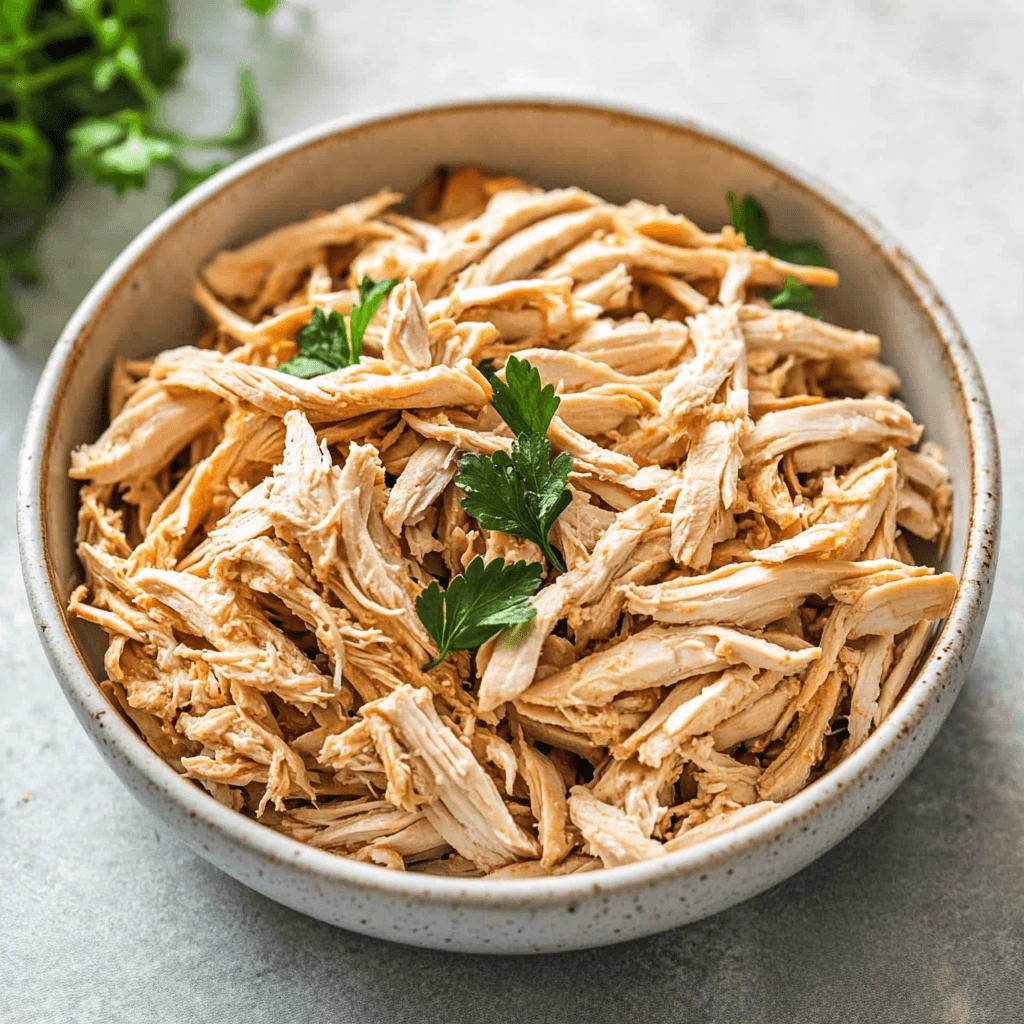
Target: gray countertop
(915, 112)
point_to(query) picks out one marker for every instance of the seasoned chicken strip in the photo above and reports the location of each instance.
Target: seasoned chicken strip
(589, 457)
(343, 394)
(145, 436)
(721, 778)
(900, 673)
(249, 438)
(700, 714)
(864, 696)
(604, 408)
(369, 827)
(573, 371)
(512, 665)
(719, 344)
(660, 656)
(416, 842)
(715, 826)
(751, 594)
(634, 787)
(789, 772)
(243, 273)
(548, 804)
(610, 833)
(591, 259)
(420, 484)
(757, 719)
(895, 603)
(246, 751)
(787, 332)
(406, 344)
(438, 427)
(845, 527)
(456, 794)
(672, 228)
(517, 257)
(864, 421)
(691, 300)
(506, 213)
(264, 566)
(610, 291)
(247, 648)
(635, 346)
(519, 309)
(708, 491)
(902, 603)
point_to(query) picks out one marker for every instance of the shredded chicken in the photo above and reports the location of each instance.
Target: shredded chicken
(739, 610)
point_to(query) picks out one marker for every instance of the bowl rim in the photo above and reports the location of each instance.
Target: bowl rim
(82, 690)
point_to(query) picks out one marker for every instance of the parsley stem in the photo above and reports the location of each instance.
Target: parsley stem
(20, 84)
(549, 553)
(28, 44)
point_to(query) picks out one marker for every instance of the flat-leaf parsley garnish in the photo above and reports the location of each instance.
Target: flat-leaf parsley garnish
(795, 295)
(484, 600)
(324, 344)
(521, 401)
(521, 494)
(750, 220)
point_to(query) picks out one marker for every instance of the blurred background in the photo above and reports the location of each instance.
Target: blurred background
(912, 110)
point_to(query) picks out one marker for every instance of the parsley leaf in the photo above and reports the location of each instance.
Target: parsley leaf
(521, 401)
(244, 129)
(260, 7)
(117, 151)
(807, 253)
(186, 178)
(750, 220)
(795, 295)
(324, 344)
(478, 604)
(371, 295)
(522, 494)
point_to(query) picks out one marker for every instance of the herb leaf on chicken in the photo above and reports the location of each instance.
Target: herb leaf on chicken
(484, 600)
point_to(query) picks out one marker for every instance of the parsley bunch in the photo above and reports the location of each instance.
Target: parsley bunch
(80, 87)
(521, 494)
(324, 345)
(750, 220)
(482, 601)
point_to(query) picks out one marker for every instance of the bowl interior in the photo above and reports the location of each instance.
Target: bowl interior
(148, 306)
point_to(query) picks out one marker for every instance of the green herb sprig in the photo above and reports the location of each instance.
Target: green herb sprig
(481, 602)
(324, 344)
(80, 89)
(260, 7)
(750, 220)
(521, 494)
(795, 295)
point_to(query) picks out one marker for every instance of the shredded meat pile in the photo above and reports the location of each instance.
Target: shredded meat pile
(740, 608)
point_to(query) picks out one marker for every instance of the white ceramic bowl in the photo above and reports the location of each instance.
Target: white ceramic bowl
(142, 304)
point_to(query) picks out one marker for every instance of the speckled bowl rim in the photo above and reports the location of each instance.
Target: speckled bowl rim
(799, 811)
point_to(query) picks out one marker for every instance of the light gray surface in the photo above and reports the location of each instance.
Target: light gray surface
(919, 916)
